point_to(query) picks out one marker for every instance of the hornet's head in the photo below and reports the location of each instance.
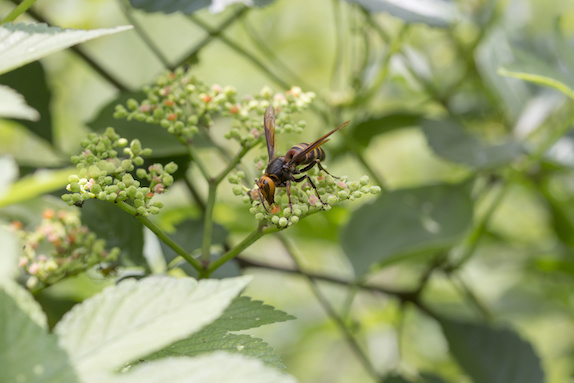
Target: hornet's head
(266, 190)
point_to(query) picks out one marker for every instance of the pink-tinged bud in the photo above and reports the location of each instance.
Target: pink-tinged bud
(320, 178)
(206, 98)
(165, 91)
(216, 88)
(234, 109)
(145, 108)
(33, 269)
(23, 261)
(279, 96)
(259, 165)
(158, 189)
(149, 195)
(168, 103)
(313, 199)
(255, 193)
(342, 185)
(42, 258)
(89, 184)
(255, 133)
(275, 209)
(172, 117)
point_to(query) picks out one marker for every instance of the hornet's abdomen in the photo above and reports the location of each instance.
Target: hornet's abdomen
(315, 154)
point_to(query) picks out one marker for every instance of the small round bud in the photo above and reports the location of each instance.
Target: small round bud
(171, 167)
(237, 190)
(259, 216)
(275, 219)
(294, 219)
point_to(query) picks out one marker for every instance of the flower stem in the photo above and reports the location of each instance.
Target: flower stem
(161, 235)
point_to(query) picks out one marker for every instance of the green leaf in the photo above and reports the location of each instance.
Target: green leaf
(496, 51)
(30, 80)
(365, 130)
(216, 367)
(242, 314)
(8, 174)
(491, 355)
(23, 43)
(136, 318)
(27, 352)
(407, 222)
(208, 341)
(539, 75)
(395, 379)
(13, 105)
(118, 228)
(435, 13)
(449, 140)
(190, 6)
(39, 183)
(9, 256)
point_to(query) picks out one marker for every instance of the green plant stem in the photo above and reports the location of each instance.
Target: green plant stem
(339, 44)
(235, 251)
(224, 25)
(472, 241)
(127, 11)
(208, 223)
(234, 162)
(161, 235)
(21, 8)
(349, 338)
(472, 297)
(240, 50)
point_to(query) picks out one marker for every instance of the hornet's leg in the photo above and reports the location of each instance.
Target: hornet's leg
(306, 176)
(288, 185)
(318, 163)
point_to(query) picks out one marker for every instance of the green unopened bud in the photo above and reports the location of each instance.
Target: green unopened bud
(132, 104)
(138, 161)
(364, 180)
(332, 199)
(259, 216)
(167, 180)
(283, 221)
(275, 219)
(127, 165)
(73, 178)
(141, 173)
(142, 211)
(154, 210)
(237, 190)
(294, 219)
(171, 167)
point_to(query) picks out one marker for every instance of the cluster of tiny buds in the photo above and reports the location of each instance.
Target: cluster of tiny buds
(247, 125)
(303, 197)
(180, 103)
(60, 246)
(105, 176)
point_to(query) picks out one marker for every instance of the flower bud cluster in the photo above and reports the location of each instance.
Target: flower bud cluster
(182, 104)
(303, 197)
(102, 174)
(179, 103)
(59, 247)
(247, 126)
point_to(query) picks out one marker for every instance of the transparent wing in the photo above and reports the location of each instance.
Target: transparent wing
(315, 144)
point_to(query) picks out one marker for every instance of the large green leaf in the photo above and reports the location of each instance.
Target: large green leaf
(242, 314)
(24, 43)
(492, 355)
(449, 140)
(407, 222)
(30, 81)
(28, 353)
(38, 183)
(436, 13)
(216, 367)
(365, 130)
(118, 228)
(13, 105)
(135, 318)
(190, 6)
(9, 255)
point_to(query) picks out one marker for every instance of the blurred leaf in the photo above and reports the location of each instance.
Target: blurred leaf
(364, 131)
(39, 183)
(118, 228)
(395, 379)
(28, 353)
(8, 174)
(490, 355)
(242, 314)
(407, 222)
(494, 52)
(431, 378)
(449, 140)
(13, 105)
(131, 320)
(30, 80)
(23, 43)
(189, 235)
(216, 367)
(190, 6)
(562, 215)
(530, 68)
(435, 13)
(9, 256)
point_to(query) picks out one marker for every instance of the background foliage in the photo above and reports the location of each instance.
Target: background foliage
(460, 271)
